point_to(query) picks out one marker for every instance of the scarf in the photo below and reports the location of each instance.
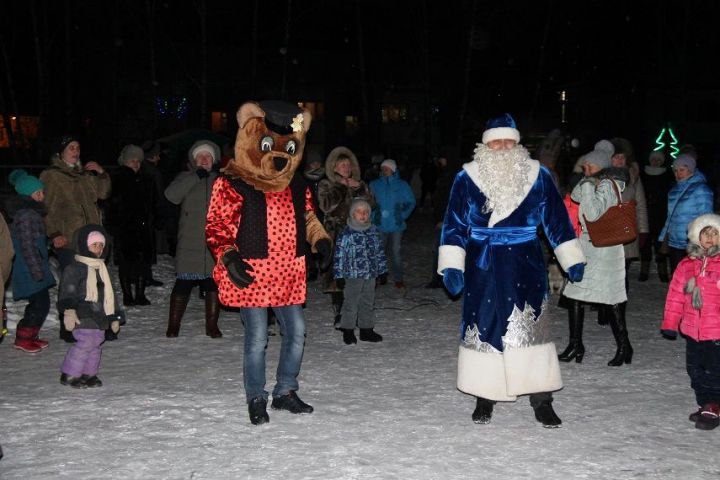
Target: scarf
(91, 292)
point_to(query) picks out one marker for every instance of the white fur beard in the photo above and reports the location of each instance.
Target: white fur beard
(503, 175)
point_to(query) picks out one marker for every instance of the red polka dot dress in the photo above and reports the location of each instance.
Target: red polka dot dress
(279, 278)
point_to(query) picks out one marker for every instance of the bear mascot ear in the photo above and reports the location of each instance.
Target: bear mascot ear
(269, 144)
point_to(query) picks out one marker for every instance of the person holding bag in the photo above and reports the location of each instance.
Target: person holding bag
(604, 280)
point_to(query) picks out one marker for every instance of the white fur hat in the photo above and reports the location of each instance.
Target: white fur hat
(706, 220)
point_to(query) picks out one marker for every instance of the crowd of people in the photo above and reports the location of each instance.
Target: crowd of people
(492, 221)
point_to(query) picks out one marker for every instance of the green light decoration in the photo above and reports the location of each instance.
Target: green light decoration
(660, 144)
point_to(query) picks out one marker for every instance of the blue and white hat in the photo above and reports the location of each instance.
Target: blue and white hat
(501, 128)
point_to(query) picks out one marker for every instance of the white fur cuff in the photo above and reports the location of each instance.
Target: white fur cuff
(569, 253)
(451, 256)
(500, 133)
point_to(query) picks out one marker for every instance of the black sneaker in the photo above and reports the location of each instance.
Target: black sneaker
(75, 382)
(257, 408)
(483, 411)
(292, 403)
(545, 414)
(91, 382)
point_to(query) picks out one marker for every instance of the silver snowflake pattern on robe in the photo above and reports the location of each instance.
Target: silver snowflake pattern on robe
(525, 330)
(472, 340)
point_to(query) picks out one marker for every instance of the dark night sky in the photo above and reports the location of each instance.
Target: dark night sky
(523, 54)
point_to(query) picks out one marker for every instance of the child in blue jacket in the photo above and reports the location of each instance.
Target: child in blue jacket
(359, 260)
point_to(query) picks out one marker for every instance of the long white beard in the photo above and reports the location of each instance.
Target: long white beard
(503, 176)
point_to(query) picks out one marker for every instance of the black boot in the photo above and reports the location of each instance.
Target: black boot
(483, 411)
(126, 287)
(644, 270)
(370, 335)
(212, 313)
(140, 298)
(624, 351)
(349, 336)
(575, 348)
(662, 267)
(603, 315)
(545, 414)
(257, 408)
(337, 303)
(178, 304)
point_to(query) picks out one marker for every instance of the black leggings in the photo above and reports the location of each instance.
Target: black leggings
(184, 287)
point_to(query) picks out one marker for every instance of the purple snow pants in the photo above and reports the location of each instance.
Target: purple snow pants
(83, 357)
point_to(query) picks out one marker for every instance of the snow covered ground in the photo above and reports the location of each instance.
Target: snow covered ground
(175, 408)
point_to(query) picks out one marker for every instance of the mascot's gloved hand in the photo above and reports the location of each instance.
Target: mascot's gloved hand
(454, 280)
(669, 334)
(576, 272)
(238, 270)
(71, 320)
(324, 248)
(202, 173)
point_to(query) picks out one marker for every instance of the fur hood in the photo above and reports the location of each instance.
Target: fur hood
(216, 154)
(23, 202)
(332, 159)
(706, 220)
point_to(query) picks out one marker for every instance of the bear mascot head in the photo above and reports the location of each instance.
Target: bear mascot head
(269, 144)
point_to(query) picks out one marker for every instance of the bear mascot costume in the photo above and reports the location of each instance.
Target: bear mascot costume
(259, 224)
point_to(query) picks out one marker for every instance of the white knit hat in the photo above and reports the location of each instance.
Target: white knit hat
(390, 163)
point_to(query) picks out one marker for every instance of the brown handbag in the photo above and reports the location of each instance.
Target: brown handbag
(617, 226)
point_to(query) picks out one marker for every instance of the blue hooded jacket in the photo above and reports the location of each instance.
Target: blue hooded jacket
(687, 200)
(395, 202)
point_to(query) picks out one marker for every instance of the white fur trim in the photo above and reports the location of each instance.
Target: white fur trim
(501, 133)
(502, 377)
(451, 256)
(482, 374)
(569, 253)
(706, 220)
(532, 369)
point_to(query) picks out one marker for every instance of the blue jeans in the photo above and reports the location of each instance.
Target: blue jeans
(292, 330)
(394, 239)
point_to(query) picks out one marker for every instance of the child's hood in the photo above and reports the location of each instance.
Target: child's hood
(80, 237)
(706, 220)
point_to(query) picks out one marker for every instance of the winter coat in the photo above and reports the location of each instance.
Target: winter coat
(697, 275)
(130, 218)
(359, 254)
(573, 210)
(634, 191)
(687, 200)
(604, 278)
(395, 202)
(335, 198)
(31, 267)
(657, 182)
(6, 255)
(71, 196)
(73, 287)
(193, 195)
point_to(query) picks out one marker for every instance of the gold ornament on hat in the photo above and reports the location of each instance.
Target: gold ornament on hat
(297, 123)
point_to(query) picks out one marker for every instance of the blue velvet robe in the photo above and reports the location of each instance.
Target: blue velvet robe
(504, 264)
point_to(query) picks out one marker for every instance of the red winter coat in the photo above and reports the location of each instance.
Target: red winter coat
(573, 210)
(702, 324)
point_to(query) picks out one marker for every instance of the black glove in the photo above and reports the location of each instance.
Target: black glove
(238, 270)
(202, 173)
(340, 283)
(324, 248)
(669, 334)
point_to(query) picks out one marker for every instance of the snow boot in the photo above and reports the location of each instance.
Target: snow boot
(24, 340)
(75, 382)
(349, 336)
(40, 343)
(575, 349)
(709, 417)
(483, 411)
(624, 352)
(545, 414)
(212, 313)
(140, 298)
(178, 304)
(291, 402)
(644, 271)
(369, 335)
(257, 409)
(91, 381)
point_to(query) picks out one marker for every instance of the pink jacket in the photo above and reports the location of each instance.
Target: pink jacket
(702, 324)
